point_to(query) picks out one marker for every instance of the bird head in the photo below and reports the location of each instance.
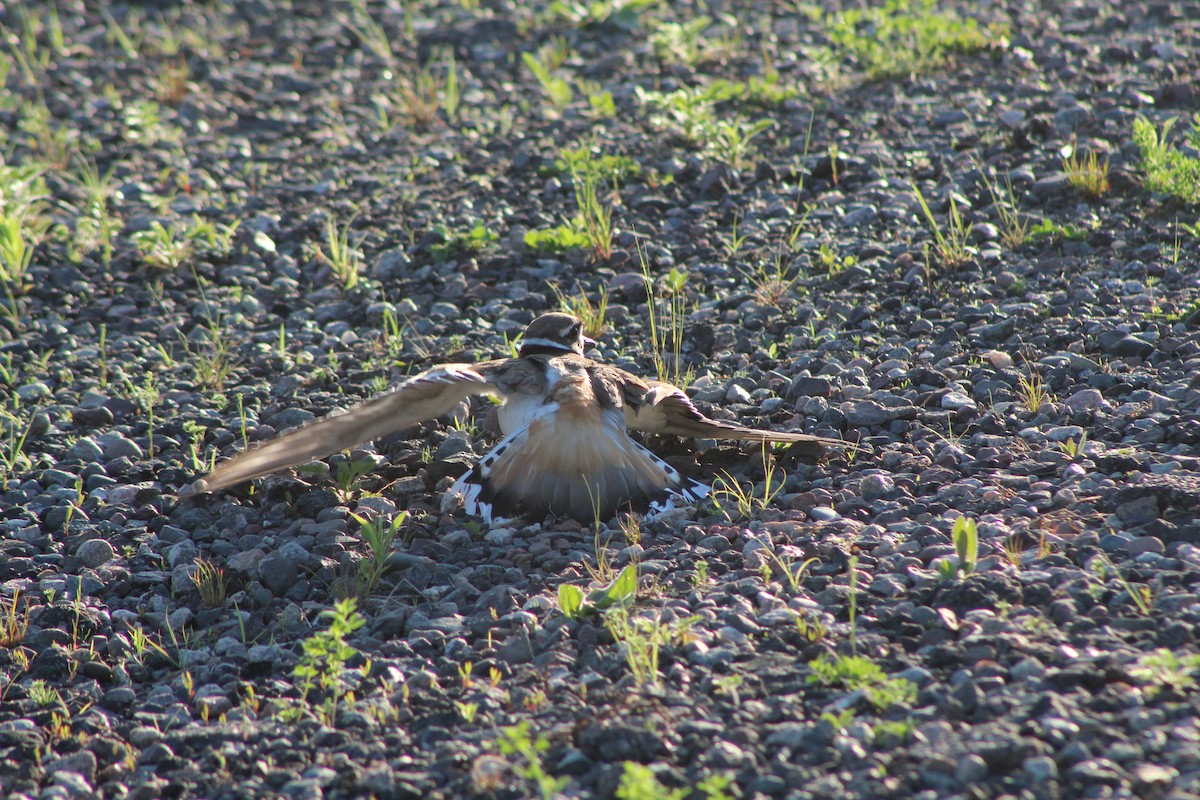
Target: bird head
(554, 334)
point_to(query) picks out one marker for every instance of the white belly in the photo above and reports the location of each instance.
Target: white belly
(518, 411)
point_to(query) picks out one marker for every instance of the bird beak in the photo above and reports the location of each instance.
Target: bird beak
(588, 343)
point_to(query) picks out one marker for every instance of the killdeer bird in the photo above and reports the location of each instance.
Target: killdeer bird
(566, 418)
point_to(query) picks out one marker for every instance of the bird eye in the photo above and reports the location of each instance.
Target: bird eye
(575, 329)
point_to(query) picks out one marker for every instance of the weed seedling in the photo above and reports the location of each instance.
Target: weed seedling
(348, 474)
(638, 782)
(667, 318)
(591, 227)
(860, 672)
(681, 43)
(692, 112)
(852, 574)
(557, 90)
(1163, 670)
(642, 639)
(467, 711)
(342, 256)
(595, 216)
(1074, 448)
(1032, 391)
(516, 741)
(586, 159)
(322, 664)
(902, 37)
(422, 92)
(16, 254)
(771, 283)
(1168, 171)
(966, 548)
(14, 621)
(1047, 229)
(1014, 229)
(950, 246)
(790, 570)
(210, 583)
(728, 685)
(162, 246)
(370, 33)
(43, 694)
(380, 540)
(733, 500)
(809, 627)
(1087, 175)
(1140, 594)
(621, 591)
(12, 449)
(475, 240)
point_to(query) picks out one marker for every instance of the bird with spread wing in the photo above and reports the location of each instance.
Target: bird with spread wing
(566, 419)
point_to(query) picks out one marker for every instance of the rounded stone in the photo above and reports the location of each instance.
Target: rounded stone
(874, 487)
(971, 769)
(95, 552)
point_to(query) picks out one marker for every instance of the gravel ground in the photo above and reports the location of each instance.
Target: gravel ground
(186, 296)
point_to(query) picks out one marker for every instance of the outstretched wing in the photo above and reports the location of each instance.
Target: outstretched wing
(425, 396)
(661, 408)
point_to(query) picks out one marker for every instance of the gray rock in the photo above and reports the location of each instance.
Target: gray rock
(266, 655)
(971, 769)
(867, 414)
(115, 445)
(736, 394)
(31, 393)
(95, 552)
(810, 387)
(876, 486)
(516, 649)
(278, 572)
(182, 554)
(444, 311)
(246, 562)
(1084, 400)
(1070, 119)
(859, 216)
(1145, 544)
(1040, 768)
(957, 401)
(82, 763)
(1139, 511)
(1064, 433)
(949, 117)
(73, 783)
(291, 418)
(83, 586)
(172, 534)
(1150, 779)
(156, 753)
(85, 449)
(391, 265)
(1051, 186)
(788, 734)
(118, 698)
(1012, 118)
(1123, 345)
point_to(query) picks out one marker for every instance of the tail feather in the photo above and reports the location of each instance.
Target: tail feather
(577, 468)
